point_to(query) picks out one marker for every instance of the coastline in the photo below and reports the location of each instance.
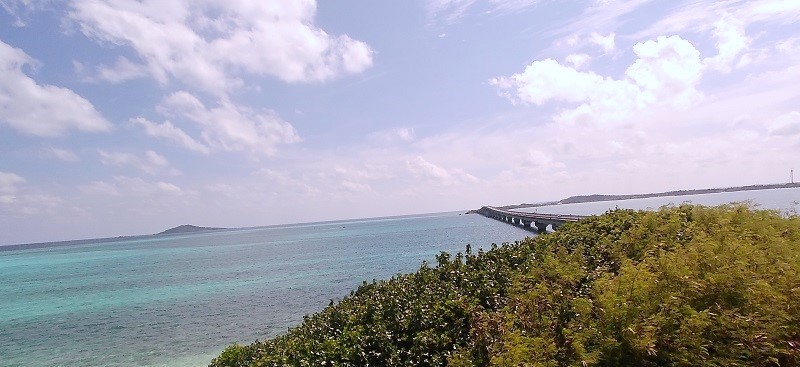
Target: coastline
(603, 197)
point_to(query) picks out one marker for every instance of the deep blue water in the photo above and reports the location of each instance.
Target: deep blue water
(179, 300)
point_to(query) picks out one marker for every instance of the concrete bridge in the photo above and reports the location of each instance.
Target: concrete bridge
(537, 220)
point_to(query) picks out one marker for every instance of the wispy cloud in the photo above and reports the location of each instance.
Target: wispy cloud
(432, 173)
(150, 162)
(227, 126)
(452, 11)
(64, 155)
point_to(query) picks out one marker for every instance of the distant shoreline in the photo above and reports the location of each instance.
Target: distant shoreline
(188, 229)
(182, 229)
(598, 197)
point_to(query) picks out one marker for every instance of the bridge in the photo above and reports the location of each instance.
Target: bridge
(538, 220)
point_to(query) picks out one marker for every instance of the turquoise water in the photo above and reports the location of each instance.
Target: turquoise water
(179, 300)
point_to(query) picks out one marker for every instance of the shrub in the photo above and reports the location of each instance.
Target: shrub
(681, 286)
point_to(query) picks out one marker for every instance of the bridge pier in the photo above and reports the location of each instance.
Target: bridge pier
(528, 220)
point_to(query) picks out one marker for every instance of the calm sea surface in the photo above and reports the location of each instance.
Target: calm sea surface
(179, 300)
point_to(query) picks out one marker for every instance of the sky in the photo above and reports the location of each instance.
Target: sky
(125, 117)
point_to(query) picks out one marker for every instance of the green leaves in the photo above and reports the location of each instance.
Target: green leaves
(681, 286)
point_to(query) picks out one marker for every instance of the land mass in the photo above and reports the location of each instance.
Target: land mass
(687, 285)
(188, 228)
(599, 197)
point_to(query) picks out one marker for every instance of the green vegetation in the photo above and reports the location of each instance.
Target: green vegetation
(683, 286)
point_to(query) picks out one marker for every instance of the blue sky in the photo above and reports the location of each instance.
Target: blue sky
(121, 117)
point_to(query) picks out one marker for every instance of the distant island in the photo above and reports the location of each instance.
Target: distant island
(188, 228)
(598, 197)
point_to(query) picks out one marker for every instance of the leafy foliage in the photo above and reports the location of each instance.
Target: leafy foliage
(681, 286)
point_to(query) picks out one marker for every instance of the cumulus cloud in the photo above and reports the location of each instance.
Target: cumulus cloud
(731, 41)
(41, 110)
(666, 71)
(423, 169)
(209, 44)
(151, 163)
(226, 127)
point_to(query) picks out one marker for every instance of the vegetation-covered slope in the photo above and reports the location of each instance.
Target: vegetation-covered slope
(683, 286)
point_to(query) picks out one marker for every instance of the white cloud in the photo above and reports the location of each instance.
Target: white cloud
(731, 41)
(132, 187)
(121, 71)
(151, 163)
(21, 9)
(41, 110)
(789, 46)
(666, 72)
(448, 10)
(786, 125)
(209, 44)
(546, 80)
(61, 154)
(30, 205)
(16, 202)
(9, 182)
(167, 130)
(605, 42)
(403, 134)
(423, 169)
(705, 16)
(541, 161)
(354, 187)
(578, 61)
(227, 127)
(452, 11)
(668, 68)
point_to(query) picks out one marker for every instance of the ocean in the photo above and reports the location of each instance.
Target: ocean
(179, 300)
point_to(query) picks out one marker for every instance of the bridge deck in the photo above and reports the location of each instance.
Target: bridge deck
(540, 221)
(534, 216)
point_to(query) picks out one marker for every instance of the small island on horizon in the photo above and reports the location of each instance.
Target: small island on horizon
(188, 228)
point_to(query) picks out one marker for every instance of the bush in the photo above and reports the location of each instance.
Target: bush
(681, 286)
